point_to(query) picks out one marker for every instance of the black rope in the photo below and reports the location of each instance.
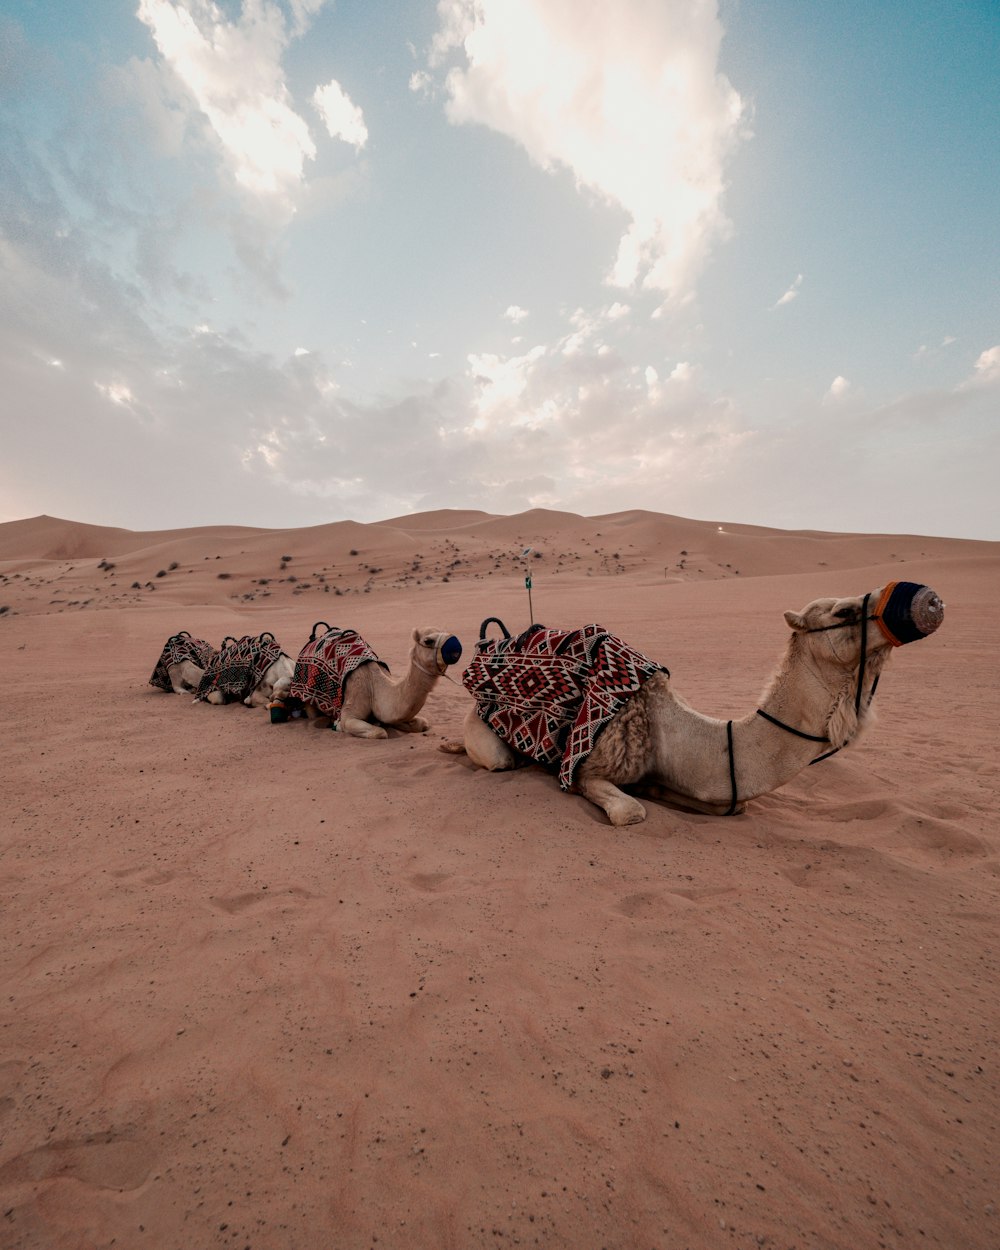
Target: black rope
(788, 728)
(732, 768)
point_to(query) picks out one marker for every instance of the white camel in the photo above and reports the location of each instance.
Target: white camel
(817, 702)
(342, 683)
(182, 663)
(274, 678)
(246, 670)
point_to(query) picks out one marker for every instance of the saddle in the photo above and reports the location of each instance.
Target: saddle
(177, 649)
(549, 693)
(324, 665)
(236, 669)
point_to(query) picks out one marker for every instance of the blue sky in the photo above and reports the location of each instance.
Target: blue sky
(282, 262)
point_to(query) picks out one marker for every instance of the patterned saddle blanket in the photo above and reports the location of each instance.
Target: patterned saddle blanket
(324, 665)
(549, 693)
(237, 669)
(177, 649)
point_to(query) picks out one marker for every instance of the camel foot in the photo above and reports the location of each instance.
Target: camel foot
(624, 811)
(216, 697)
(416, 726)
(361, 728)
(452, 748)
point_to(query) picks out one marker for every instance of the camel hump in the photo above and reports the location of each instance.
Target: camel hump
(452, 748)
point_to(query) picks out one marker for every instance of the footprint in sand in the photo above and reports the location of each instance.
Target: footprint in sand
(430, 882)
(642, 905)
(103, 1160)
(862, 809)
(10, 1074)
(235, 903)
(154, 876)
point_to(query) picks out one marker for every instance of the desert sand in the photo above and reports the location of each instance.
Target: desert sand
(269, 986)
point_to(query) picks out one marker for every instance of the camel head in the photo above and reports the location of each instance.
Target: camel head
(904, 612)
(274, 683)
(837, 635)
(434, 650)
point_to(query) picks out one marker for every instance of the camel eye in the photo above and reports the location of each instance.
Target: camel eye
(846, 614)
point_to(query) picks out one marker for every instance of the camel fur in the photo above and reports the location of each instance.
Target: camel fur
(662, 748)
(375, 701)
(275, 678)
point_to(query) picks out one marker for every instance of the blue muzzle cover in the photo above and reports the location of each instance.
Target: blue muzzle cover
(908, 611)
(451, 650)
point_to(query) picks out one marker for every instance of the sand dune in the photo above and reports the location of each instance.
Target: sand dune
(274, 987)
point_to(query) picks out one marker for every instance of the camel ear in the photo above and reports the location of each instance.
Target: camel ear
(416, 635)
(796, 620)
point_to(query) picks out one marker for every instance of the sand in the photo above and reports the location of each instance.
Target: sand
(268, 986)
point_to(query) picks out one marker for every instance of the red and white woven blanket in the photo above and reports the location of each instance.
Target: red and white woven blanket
(548, 693)
(324, 665)
(177, 649)
(236, 670)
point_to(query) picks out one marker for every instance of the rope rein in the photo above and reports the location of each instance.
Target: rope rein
(799, 733)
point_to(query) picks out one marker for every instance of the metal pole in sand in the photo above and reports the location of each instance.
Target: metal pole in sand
(527, 582)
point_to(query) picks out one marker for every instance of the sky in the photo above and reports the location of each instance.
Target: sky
(285, 262)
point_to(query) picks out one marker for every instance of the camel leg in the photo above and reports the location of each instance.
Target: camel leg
(621, 809)
(484, 748)
(216, 697)
(360, 728)
(415, 726)
(653, 790)
(315, 717)
(184, 677)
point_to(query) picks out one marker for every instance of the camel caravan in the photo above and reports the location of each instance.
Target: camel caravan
(337, 681)
(584, 703)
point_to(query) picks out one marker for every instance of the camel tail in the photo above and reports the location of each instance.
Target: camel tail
(452, 748)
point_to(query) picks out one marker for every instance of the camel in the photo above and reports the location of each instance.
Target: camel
(247, 671)
(182, 663)
(342, 683)
(818, 701)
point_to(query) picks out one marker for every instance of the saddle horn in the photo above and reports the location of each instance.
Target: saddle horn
(326, 629)
(492, 620)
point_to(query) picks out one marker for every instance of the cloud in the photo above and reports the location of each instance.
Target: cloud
(628, 97)
(232, 72)
(987, 368)
(838, 389)
(515, 314)
(791, 294)
(343, 119)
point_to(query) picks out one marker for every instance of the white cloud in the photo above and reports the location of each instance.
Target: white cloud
(627, 96)
(986, 370)
(789, 295)
(232, 71)
(421, 82)
(343, 119)
(515, 314)
(118, 392)
(838, 389)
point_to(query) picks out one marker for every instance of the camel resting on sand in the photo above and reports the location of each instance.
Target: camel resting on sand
(817, 702)
(246, 670)
(182, 663)
(343, 684)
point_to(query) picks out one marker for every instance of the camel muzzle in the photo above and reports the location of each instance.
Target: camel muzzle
(451, 651)
(907, 612)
